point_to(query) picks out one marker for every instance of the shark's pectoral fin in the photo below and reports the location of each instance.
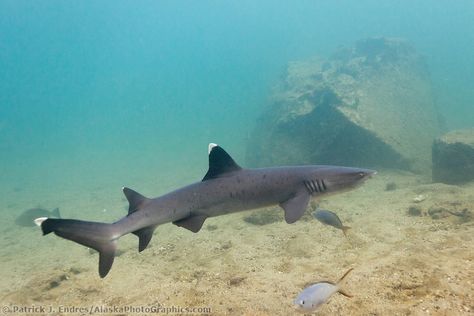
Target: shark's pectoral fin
(295, 207)
(192, 223)
(144, 236)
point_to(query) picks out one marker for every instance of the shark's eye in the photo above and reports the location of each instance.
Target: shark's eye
(361, 174)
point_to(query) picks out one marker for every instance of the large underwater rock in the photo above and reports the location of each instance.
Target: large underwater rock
(453, 157)
(368, 105)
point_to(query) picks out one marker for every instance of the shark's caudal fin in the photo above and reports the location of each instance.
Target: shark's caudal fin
(98, 236)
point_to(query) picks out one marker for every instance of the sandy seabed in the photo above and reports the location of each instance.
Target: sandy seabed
(403, 264)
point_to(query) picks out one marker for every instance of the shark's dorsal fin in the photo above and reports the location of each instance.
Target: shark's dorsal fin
(135, 200)
(220, 162)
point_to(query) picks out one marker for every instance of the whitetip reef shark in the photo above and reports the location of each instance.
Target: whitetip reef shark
(226, 188)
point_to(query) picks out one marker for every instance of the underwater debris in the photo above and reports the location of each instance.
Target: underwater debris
(58, 280)
(198, 274)
(442, 211)
(53, 284)
(226, 245)
(414, 211)
(75, 271)
(391, 186)
(236, 281)
(453, 157)
(436, 212)
(419, 198)
(465, 215)
(211, 227)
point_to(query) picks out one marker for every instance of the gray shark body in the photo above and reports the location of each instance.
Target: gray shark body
(226, 188)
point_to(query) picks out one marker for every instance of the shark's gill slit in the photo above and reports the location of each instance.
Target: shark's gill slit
(319, 185)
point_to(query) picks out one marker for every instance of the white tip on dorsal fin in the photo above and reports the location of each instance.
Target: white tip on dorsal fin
(40, 220)
(220, 162)
(211, 145)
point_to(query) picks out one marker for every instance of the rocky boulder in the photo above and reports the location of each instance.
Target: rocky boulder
(453, 157)
(368, 105)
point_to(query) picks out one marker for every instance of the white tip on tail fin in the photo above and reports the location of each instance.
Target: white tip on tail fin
(211, 145)
(40, 220)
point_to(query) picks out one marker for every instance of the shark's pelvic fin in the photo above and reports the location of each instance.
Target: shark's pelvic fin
(295, 207)
(192, 223)
(135, 200)
(220, 162)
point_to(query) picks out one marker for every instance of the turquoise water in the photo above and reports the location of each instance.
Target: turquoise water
(121, 88)
(95, 95)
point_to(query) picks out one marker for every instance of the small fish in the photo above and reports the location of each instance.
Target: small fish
(330, 218)
(26, 219)
(319, 293)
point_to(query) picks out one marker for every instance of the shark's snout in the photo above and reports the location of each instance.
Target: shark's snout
(343, 178)
(368, 173)
(363, 175)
